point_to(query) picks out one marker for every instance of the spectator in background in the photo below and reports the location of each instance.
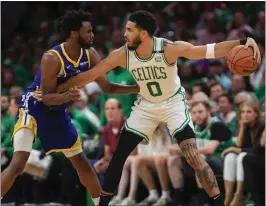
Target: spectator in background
(241, 30)
(8, 76)
(226, 113)
(262, 110)
(216, 90)
(129, 173)
(182, 32)
(7, 126)
(212, 137)
(243, 97)
(13, 106)
(111, 131)
(249, 129)
(254, 171)
(87, 119)
(238, 84)
(216, 67)
(260, 25)
(156, 161)
(93, 91)
(208, 34)
(120, 76)
(15, 91)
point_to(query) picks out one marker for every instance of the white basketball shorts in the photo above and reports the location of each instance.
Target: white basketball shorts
(146, 116)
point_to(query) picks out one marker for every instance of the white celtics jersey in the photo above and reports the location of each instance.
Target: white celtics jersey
(157, 79)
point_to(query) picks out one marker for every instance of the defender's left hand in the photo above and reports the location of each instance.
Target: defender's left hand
(37, 94)
(251, 43)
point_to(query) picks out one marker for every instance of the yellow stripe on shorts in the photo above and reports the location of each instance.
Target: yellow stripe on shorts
(74, 147)
(25, 120)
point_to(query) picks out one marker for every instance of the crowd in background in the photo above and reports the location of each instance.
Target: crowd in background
(232, 105)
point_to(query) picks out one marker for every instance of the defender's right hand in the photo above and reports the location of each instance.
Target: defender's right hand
(74, 92)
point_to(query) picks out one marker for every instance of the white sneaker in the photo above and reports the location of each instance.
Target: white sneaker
(128, 202)
(148, 201)
(162, 202)
(115, 201)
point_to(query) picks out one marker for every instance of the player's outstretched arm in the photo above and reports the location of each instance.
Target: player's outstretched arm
(50, 67)
(112, 61)
(106, 86)
(187, 50)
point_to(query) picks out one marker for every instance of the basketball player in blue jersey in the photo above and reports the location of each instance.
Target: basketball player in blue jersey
(48, 119)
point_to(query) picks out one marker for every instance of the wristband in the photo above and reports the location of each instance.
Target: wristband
(210, 51)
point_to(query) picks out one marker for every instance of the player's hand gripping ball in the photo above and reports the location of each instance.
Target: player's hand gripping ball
(244, 59)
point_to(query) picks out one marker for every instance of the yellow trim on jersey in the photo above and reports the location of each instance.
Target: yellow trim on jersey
(76, 64)
(25, 120)
(76, 146)
(61, 60)
(88, 57)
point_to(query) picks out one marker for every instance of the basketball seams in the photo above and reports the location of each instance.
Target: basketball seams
(239, 65)
(237, 53)
(241, 59)
(236, 70)
(239, 69)
(234, 56)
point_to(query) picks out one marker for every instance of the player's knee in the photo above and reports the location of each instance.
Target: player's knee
(23, 140)
(185, 134)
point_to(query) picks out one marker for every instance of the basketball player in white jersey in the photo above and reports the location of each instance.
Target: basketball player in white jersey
(152, 62)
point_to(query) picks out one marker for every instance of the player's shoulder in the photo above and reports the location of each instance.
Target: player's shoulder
(171, 44)
(120, 51)
(95, 57)
(93, 51)
(50, 56)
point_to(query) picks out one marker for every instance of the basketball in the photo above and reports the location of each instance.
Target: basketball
(240, 61)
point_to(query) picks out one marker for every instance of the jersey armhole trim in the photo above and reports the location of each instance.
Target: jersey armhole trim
(61, 60)
(88, 57)
(164, 58)
(127, 58)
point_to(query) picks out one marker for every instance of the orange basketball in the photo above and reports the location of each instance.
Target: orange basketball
(240, 61)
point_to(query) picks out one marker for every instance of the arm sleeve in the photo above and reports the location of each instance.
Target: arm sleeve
(220, 132)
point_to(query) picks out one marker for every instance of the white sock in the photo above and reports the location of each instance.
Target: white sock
(166, 194)
(96, 201)
(153, 193)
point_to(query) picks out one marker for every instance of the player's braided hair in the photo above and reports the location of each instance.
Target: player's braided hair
(72, 20)
(144, 20)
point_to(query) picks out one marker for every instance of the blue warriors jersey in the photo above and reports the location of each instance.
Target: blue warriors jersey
(68, 69)
(52, 124)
